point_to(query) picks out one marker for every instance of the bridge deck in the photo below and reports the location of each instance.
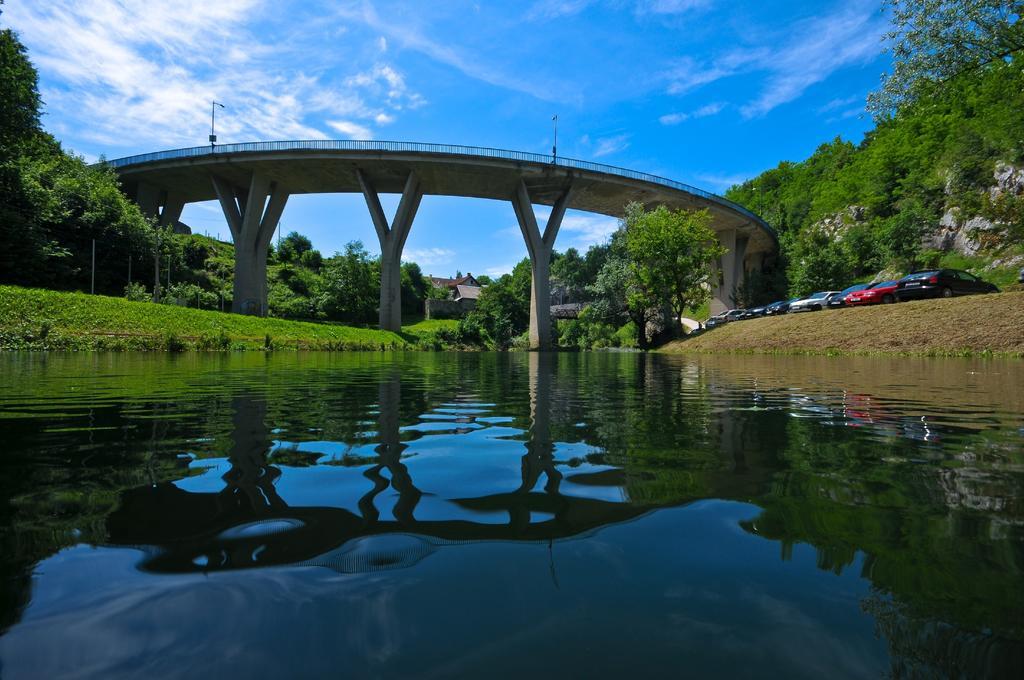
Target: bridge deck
(328, 166)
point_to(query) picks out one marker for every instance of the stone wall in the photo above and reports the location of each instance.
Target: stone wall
(448, 309)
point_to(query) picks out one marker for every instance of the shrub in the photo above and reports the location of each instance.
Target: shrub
(172, 343)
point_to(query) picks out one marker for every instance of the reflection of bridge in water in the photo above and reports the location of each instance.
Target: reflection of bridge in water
(248, 524)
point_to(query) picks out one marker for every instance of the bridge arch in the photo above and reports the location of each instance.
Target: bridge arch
(252, 182)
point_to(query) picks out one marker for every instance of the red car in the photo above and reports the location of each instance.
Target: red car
(883, 292)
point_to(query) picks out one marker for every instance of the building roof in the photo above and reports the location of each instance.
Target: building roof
(470, 292)
(467, 280)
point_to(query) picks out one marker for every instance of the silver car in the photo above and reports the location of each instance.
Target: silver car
(814, 302)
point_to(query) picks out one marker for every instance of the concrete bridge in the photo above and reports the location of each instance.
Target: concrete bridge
(253, 181)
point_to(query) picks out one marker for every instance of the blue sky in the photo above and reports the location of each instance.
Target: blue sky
(707, 92)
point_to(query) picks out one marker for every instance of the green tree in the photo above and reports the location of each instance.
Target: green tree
(568, 270)
(901, 234)
(20, 102)
(617, 296)
(819, 262)
(503, 310)
(349, 288)
(293, 246)
(934, 41)
(415, 288)
(671, 255)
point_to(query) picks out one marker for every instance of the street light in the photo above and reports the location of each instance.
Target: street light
(554, 145)
(213, 122)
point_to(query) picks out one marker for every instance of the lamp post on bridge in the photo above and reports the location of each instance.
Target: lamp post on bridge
(213, 122)
(554, 145)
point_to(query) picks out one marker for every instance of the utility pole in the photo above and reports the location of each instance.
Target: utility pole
(129, 268)
(213, 122)
(156, 269)
(554, 145)
(93, 284)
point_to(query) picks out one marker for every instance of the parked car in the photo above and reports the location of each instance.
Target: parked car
(735, 314)
(941, 283)
(814, 302)
(840, 300)
(779, 307)
(716, 320)
(882, 292)
(754, 313)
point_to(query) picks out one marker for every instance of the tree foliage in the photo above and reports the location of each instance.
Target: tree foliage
(937, 153)
(349, 289)
(671, 253)
(20, 103)
(934, 41)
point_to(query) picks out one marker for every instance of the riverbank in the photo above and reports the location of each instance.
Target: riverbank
(977, 325)
(35, 319)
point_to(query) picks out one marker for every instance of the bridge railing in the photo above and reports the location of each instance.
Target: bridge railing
(421, 147)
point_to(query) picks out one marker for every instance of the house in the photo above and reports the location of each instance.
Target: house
(463, 291)
(452, 284)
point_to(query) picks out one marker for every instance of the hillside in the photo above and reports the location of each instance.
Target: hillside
(37, 319)
(941, 183)
(958, 326)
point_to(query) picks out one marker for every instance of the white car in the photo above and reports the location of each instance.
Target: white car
(814, 302)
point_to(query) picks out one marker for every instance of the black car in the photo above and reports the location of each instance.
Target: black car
(941, 283)
(779, 307)
(840, 300)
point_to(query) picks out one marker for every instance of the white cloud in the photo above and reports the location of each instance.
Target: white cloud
(473, 66)
(687, 74)
(142, 74)
(500, 270)
(605, 146)
(578, 230)
(554, 9)
(823, 46)
(816, 48)
(350, 129)
(428, 257)
(839, 103)
(387, 83)
(583, 231)
(702, 112)
(720, 182)
(671, 6)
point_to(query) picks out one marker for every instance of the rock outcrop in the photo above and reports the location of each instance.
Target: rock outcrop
(837, 224)
(967, 236)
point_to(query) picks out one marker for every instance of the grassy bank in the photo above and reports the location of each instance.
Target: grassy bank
(44, 319)
(976, 325)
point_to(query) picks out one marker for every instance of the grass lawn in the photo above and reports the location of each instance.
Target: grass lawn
(973, 325)
(44, 319)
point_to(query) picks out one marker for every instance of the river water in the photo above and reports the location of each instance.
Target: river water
(575, 515)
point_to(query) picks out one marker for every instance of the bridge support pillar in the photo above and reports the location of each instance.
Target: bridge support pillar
(539, 246)
(252, 214)
(166, 206)
(392, 241)
(724, 278)
(732, 269)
